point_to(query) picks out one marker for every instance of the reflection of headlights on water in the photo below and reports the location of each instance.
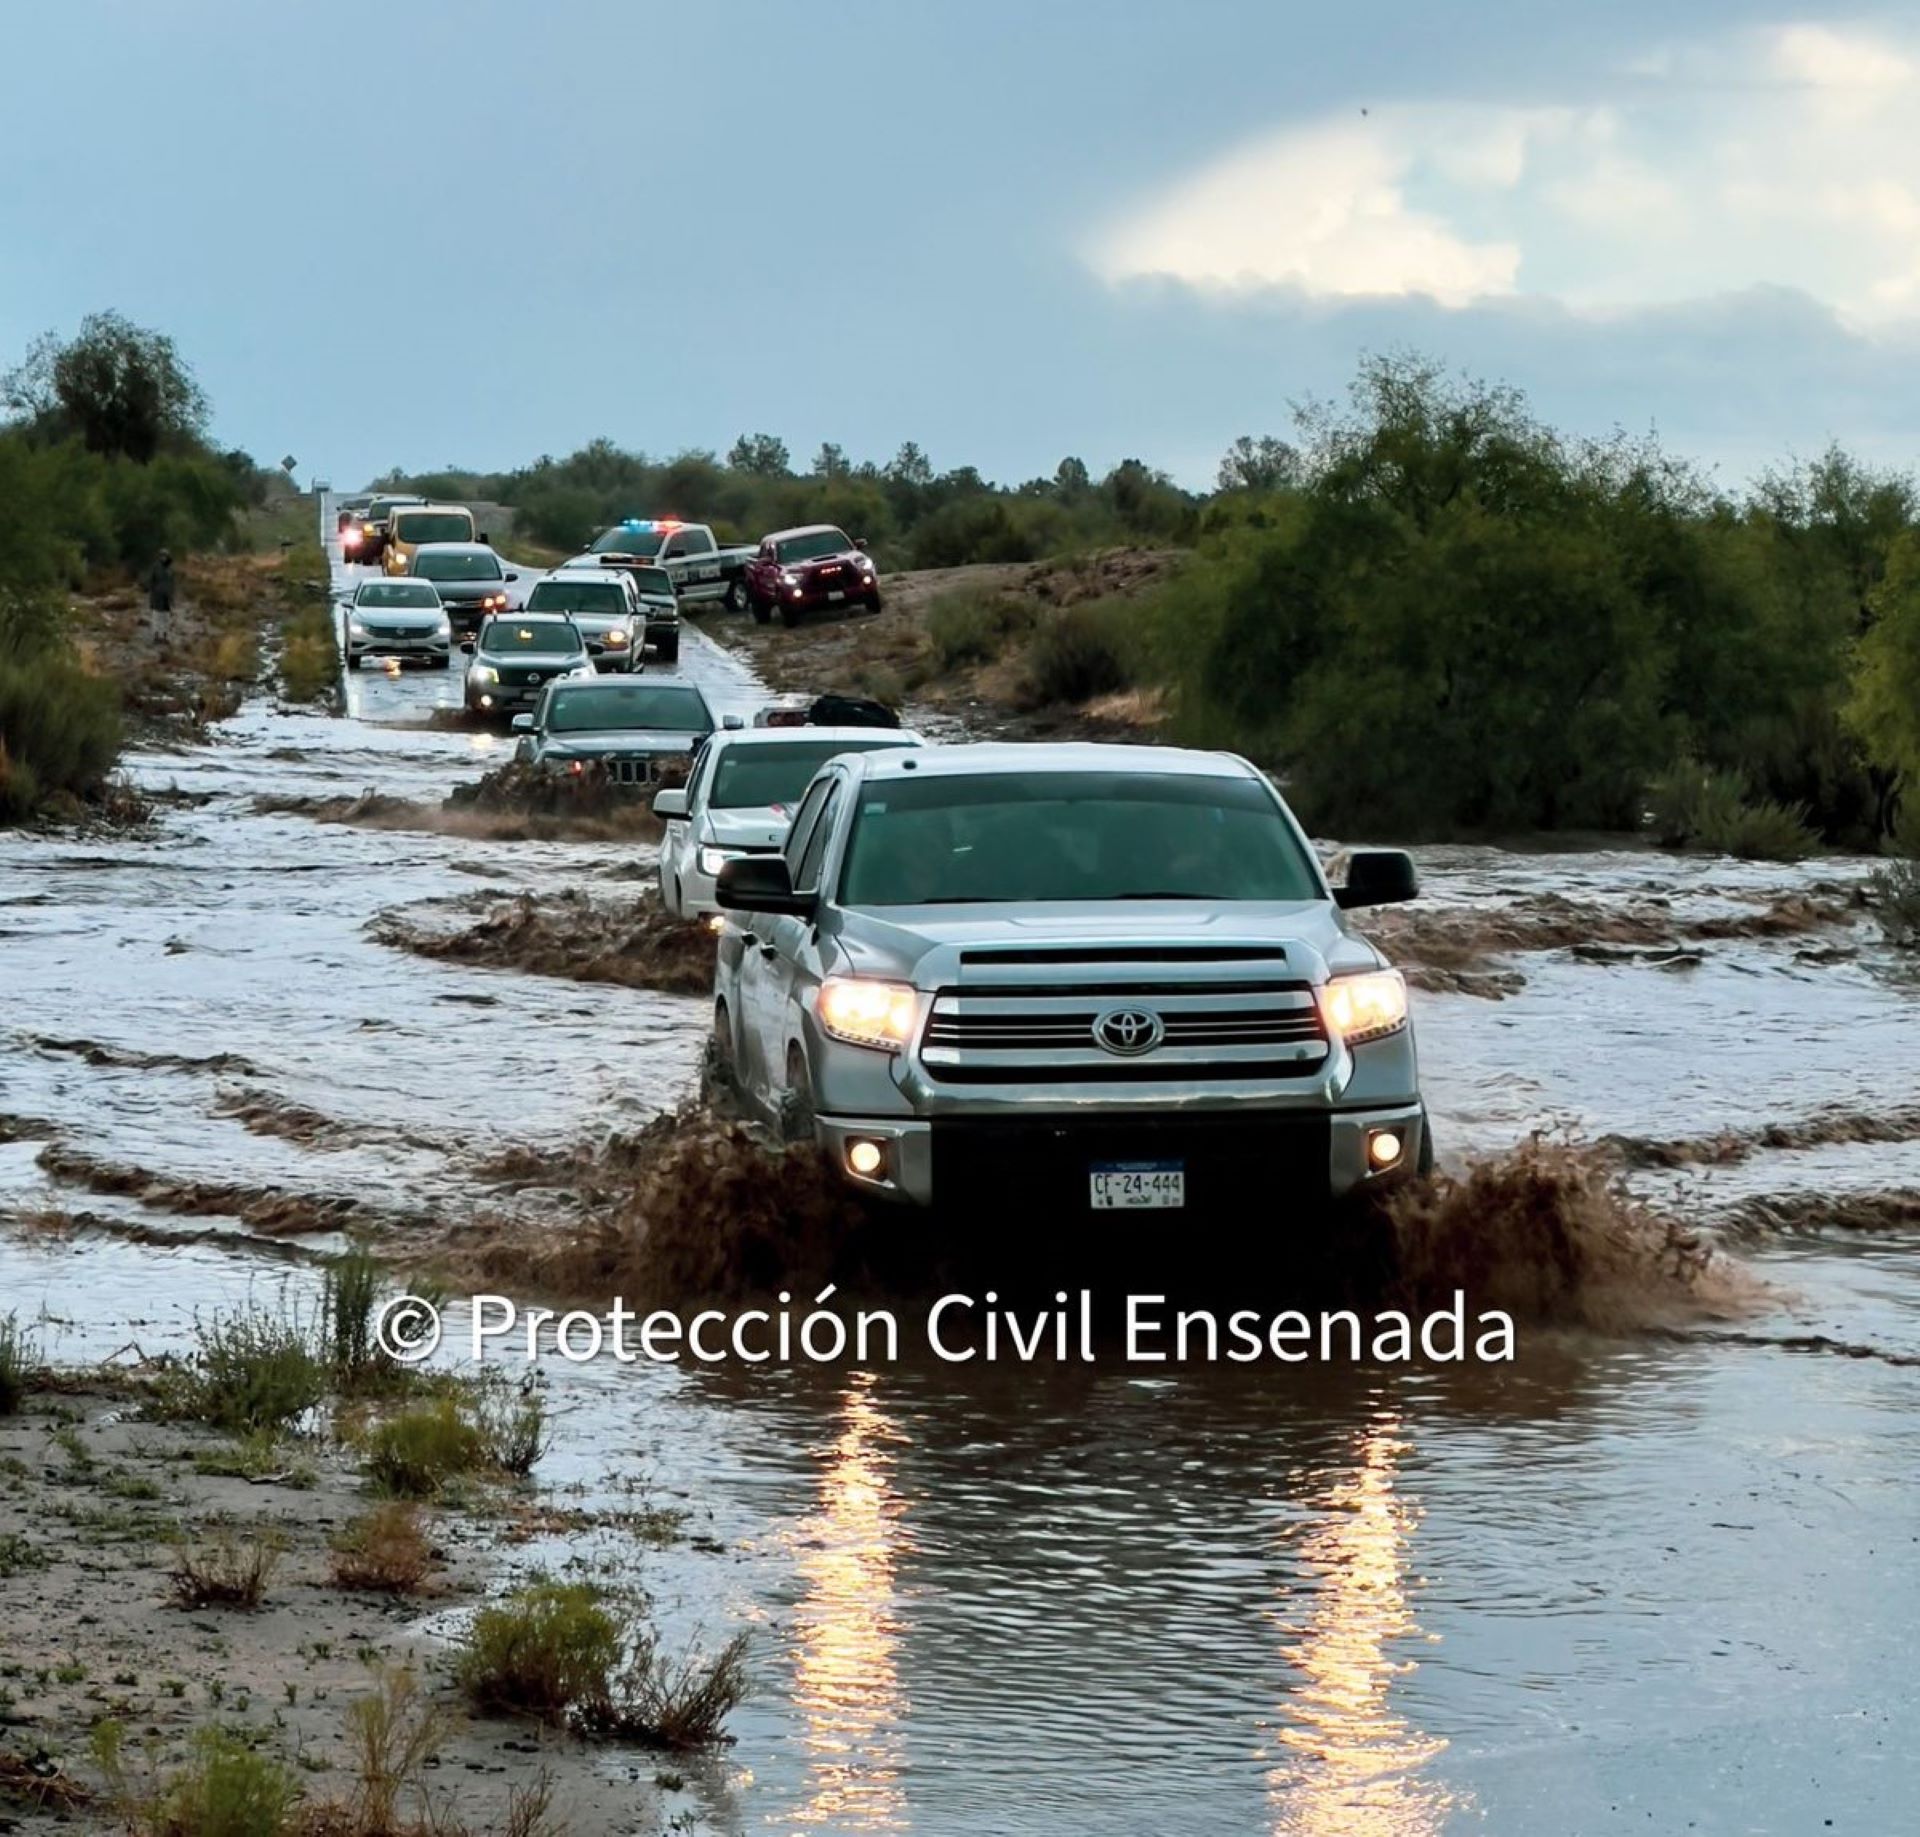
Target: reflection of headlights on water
(712, 860)
(1365, 1007)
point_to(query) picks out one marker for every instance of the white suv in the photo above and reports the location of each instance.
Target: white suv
(739, 798)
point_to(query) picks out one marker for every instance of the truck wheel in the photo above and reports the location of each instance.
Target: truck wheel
(873, 602)
(796, 1101)
(738, 598)
(1424, 1165)
(789, 616)
(724, 1073)
(670, 650)
(759, 608)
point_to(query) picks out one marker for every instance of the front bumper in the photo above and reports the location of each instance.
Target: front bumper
(809, 597)
(1241, 1158)
(381, 644)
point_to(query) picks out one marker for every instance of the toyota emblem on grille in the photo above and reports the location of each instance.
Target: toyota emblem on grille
(1128, 1031)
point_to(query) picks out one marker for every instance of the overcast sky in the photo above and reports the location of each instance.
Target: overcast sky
(1007, 229)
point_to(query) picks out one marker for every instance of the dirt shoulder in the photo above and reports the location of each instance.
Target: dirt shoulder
(895, 655)
(92, 1504)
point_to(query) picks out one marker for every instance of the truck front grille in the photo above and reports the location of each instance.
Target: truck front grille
(1242, 1030)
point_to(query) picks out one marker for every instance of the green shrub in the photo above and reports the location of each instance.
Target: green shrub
(59, 732)
(683, 1702)
(415, 1452)
(1693, 807)
(513, 1426)
(1895, 893)
(1077, 653)
(548, 1649)
(309, 642)
(226, 1789)
(970, 626)
(249, 1372)
(349, 1307)
(14, 1365)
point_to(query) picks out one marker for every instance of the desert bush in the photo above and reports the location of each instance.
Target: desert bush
(349, 1311)
(550, 1649)
(1895, 893)
(309, 642)
(223, 1569)
(1693, 807)
(59, 732)
(969, 626)
(682, 1702)
(1075, 654)
(226, 1789)
(513, 1425)
(250, 1371)
(14, 1364)
(415, 1452)
(384, 1551)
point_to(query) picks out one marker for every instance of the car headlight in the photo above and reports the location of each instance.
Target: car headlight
(616, 636)
(356, 629)
(1366, 1007)
(864, 1012)
(484, 672)
(712, 860)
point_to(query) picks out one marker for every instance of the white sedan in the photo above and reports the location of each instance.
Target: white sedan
(740, 798)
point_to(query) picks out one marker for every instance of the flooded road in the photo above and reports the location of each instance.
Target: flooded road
(1643, 1583)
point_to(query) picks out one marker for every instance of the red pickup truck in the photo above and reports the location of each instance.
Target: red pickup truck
(800, 570)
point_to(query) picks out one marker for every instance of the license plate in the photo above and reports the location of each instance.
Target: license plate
(835, 594)
(1138, 1185)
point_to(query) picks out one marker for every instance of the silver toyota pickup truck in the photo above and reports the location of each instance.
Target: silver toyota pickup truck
(1098, 977)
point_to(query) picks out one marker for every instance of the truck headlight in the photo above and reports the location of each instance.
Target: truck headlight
(864, 1012)
(1365, 1007)
(482, 672)
(788, 578)
(712, 860)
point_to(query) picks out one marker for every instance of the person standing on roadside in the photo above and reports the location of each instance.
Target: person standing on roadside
(160, 595)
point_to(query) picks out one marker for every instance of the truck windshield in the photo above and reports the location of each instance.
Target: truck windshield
(813, 545)
(558, 635)
(571, 711)
(463, 566)
(628, 539)
(1071, 836)
(600, 596)
(655, 582)
(751, 777)
(432, 526)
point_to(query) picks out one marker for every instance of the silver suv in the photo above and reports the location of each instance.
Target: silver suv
(1098, 977)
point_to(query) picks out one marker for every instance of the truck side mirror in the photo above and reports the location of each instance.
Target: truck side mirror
(1378, 877)
(523, 723)
(670, 806)
(760, 883)
(731, 721)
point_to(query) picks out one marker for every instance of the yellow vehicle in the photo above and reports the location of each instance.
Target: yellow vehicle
(413, 524)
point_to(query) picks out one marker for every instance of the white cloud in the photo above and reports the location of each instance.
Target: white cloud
(1786, 158)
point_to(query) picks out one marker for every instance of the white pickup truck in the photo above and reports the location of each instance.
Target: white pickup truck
(701, 569)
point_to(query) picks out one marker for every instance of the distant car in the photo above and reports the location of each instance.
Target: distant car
(398, 618)
(797, 571)
(514, 658)
(410, 525)
(351, 509)
(365, 538)
(606, 607)
(701, 569)
(631, 725)
(660, 601)
(800, 710)
(740, 799)
(471, 579)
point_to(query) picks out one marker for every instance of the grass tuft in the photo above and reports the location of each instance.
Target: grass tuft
(385, 1551)
(223, 1569)
(15, 1366)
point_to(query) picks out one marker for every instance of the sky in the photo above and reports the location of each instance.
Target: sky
(1009, 230)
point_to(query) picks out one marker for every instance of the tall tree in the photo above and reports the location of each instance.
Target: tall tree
(122, 389)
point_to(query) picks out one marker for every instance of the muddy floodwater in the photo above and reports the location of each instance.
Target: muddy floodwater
(1648, 1583)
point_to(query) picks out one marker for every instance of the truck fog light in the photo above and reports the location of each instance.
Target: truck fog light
(867, 1159)
(1384, 1147)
